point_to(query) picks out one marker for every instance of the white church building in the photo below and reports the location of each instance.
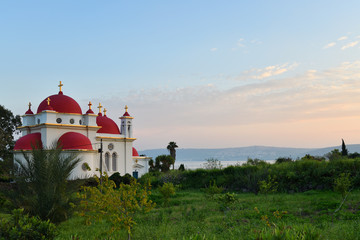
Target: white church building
(60, 119)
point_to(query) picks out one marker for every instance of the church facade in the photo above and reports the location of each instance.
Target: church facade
(59, 120)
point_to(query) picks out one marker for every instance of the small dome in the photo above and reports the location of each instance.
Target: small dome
(89, 111)
(135, 153)
(107, 125)
(60, 103)
(28, 142)
(28, 112)
(74, 140)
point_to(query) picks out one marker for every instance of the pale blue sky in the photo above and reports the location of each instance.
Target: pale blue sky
(201, 73)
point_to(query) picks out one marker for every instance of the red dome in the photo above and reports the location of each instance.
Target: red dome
(28, 142)
(60, 103)
(107, 125)
(29, 112)
(74, 140)
(89, 111)
(135, 153)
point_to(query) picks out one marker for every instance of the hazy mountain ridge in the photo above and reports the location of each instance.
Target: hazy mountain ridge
(243, 153)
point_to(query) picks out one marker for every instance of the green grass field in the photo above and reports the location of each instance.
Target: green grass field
(195, 215)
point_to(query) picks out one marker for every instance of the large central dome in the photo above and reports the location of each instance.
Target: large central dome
(60, 103)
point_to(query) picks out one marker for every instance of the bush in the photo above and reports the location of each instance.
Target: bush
(181, 167)
(117, 206)
(226, 201)
(118, 179)
(22, 226)
(167, 190)
(269, 186)
(213, 189)
(342, 184)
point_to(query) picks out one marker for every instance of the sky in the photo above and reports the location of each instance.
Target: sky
(205, 74)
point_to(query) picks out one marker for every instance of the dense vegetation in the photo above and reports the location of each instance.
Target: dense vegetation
(293, 176)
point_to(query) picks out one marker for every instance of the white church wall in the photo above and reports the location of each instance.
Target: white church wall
(28, 120)
(87, 159)
(89, 119)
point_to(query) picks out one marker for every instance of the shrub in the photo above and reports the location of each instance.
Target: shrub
(269, 186)
(181, 167)
(116, 205)
(226, 201)
(118, 179)
(21, 226)
(167, 190)
(342, 184)
(174, 177)
(213, 189)
(283, 159)
(255, 162)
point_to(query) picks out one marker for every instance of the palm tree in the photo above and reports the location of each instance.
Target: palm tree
(171, 147)
(42, 181)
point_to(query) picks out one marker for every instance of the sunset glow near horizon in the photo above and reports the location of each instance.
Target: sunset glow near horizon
(205, 74)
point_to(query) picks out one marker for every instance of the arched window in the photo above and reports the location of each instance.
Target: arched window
(114, 160)
(107, 161)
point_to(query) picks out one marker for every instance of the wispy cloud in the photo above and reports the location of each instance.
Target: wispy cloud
(342, 38)
(240, 43)
(213, 49)
(349, 45)
(329, 45)
(244, 43)
(306, 104)
(269, 71)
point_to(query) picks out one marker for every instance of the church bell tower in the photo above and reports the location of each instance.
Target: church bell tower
(126, 124)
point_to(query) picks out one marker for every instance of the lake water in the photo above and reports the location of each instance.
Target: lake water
(200, 164)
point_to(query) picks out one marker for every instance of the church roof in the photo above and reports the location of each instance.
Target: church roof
(107, 125)
(135, 152)
(60, 103)
(74, 140)
(28, 142)
(28, 112)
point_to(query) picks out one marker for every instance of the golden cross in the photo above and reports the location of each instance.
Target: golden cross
(126, 108)
(60, 85)
(29, 105)
(105, 111)
(99, 107)
(89, 105)
(48, 101)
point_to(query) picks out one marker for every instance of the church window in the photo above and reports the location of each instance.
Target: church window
(80, 122)
(114, 160)
(58, 120)
(107, 161)
(72, 121)
(38, 121)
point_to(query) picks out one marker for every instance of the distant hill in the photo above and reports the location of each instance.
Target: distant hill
(243, 153)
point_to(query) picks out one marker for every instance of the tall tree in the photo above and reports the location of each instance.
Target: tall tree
(344, 151)
(8, 125)
(171, 147)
